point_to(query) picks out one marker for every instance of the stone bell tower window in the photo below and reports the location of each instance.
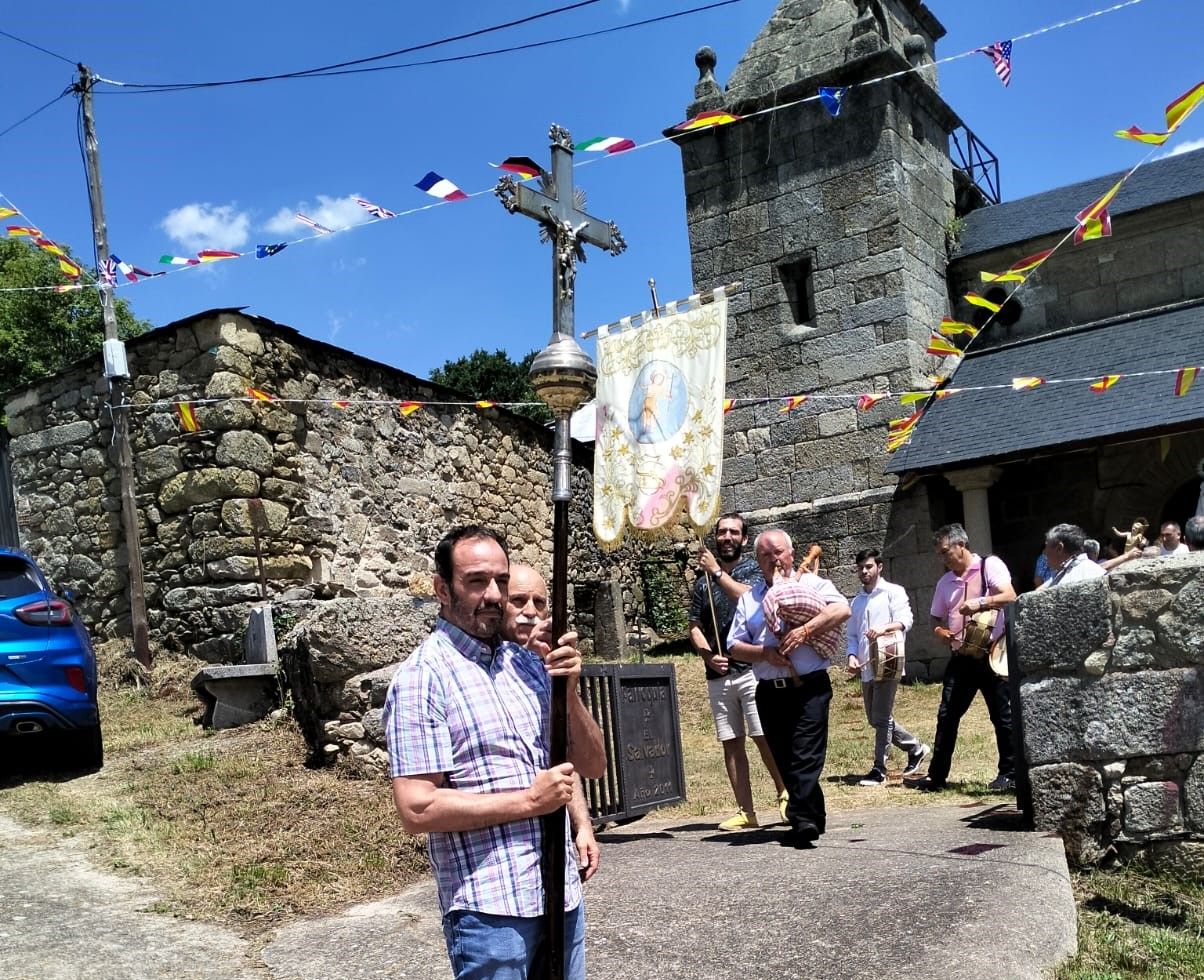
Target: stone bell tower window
(797, 280)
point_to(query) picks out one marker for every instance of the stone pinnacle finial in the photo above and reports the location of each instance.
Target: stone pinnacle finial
(706, 86)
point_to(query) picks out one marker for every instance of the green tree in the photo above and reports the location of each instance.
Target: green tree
(494, 377)
(42, 331)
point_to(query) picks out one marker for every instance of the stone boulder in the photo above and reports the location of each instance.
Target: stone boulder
(205, 485)
(1069, 799)
(1057, 629)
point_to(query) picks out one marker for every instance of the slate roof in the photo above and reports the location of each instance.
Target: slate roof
(1053, 211)
(975, 427)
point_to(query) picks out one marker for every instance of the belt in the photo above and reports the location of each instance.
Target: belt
(780, 682)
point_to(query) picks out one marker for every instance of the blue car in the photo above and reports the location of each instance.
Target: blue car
(47, 668)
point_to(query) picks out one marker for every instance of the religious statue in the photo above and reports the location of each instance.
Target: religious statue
(1135, 537)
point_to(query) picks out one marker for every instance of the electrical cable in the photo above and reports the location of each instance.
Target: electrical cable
(41, 108)
(30, 44)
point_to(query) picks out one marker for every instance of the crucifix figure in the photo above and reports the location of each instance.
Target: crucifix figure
(563, 376)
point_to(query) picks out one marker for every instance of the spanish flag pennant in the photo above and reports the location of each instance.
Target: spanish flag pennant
(67, 288)
(23, 231)
(1176, 112)
(913, 397)
(705, 120)
(951, 328)
(484, 403)
(1104, 383)
(46, 245)
(69, 268)
(8, 212)
(900, 426)
(187, 417)
(866, 402)
(1094, 221)
(941, 347)
(1184, 380)
(408, 408)
(946, 392)
(1023, 384)
(1018, 271)
(975, 300)
(791, 403)
(260, 396)
(340, 404)
(728, 405)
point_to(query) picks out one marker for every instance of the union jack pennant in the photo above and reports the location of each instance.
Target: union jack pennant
(108, 271)
(375, 209)
(1000, 54)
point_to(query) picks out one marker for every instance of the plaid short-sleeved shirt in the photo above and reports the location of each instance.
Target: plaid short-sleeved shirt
(480, 717)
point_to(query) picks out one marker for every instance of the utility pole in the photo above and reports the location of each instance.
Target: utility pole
(118, 377)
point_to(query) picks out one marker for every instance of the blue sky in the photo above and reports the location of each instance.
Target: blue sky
(226, 168)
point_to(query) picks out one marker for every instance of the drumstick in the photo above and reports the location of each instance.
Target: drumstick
(812, 557)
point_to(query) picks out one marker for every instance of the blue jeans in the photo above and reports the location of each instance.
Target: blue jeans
(501, 947)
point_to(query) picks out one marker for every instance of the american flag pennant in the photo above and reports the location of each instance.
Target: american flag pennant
(484, 403)
(215, 255)
(1000, 54)
(1094, 221)
(8, 212)
(951, 328)
(706, 120)
(375, 209)
(406, 409)
(1176, 112)
(832, 99)
(320, 229)
(177, 260)
(728, 405)
(267, 251)
(792, 402)
(258, 395)
(440, 187)
(866, 402)
(941, 347)
(523, 167)
(1018, 271)
(605, 144)
(188, 420)
(1184, 379)
(975, 300)
(24, 231)
(1104, 383)
(1023, 384)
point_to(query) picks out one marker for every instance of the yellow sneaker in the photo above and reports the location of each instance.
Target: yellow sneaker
(783, 799)
(741, 821)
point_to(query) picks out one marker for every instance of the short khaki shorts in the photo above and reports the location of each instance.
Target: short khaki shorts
(734, 705)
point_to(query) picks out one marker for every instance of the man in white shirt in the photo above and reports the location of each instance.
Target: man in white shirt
(1066, 556)
(881, 617)
(793, 688)
(1170, 541)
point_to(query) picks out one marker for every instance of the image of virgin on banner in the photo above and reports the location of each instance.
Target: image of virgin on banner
(659, 446)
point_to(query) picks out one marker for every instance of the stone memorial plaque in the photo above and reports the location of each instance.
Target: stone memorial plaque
(649, 741)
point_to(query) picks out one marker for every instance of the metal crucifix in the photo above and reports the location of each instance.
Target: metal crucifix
(563, 376)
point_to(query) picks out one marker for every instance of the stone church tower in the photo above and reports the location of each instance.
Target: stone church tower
(836, 228)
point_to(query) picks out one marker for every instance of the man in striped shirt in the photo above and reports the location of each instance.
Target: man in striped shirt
(467, 724)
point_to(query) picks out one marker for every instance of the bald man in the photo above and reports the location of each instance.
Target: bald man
(526, 614)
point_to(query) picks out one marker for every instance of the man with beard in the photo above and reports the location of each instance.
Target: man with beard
(793, 688)
(731, 685)
(466, 720)
(525, 620)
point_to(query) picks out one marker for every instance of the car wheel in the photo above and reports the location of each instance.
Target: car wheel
(88, 751)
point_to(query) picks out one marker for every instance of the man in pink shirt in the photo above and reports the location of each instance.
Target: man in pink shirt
(971, 584)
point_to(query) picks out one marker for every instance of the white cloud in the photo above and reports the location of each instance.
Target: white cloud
(1185, 148)
(333, 212)
(198, 226)
(337, 322)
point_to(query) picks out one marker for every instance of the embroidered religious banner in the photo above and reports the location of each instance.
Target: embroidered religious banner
(659, 447)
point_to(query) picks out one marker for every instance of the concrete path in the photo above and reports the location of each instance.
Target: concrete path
(939, 891)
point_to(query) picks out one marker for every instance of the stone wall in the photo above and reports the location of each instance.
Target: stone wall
(1113, 707)
(344, 502)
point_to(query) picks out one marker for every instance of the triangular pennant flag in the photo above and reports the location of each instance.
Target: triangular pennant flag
(266, 251)
(215, 255)
(408, 408)
(1023, 384)
(897, 426)
(728, 405)
(1018, 271)
(705, 120)
(792, 402)
(941, 347)
(523, 167)
(605, 144)
(260, 396)
(69, 268)
(866, 402)
(1104, 383)
(188, 420)
(1184, 379)
(975, 300)
(340, 404)
(484, 403)
(8, 212)
(177, 260)
(67, 288)
(440, 187)
(1094, 221)
(23, 231)
(375, 209)
(951, 328)
(912, 397)
(46, 245)
(1176, 112)
(125, 269)
(833, 99)
(320, 229)
(108, 271)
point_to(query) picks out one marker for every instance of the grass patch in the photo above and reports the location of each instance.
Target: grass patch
(1137, 922)
(190, 762)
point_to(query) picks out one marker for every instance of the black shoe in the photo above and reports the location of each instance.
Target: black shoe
(927, 784)
(875, 777)
(803, 838)
(915, 760)
(1002, 784)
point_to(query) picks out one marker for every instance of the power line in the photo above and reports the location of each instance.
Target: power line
(30, 44)
(332, 69)
(41, 108)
